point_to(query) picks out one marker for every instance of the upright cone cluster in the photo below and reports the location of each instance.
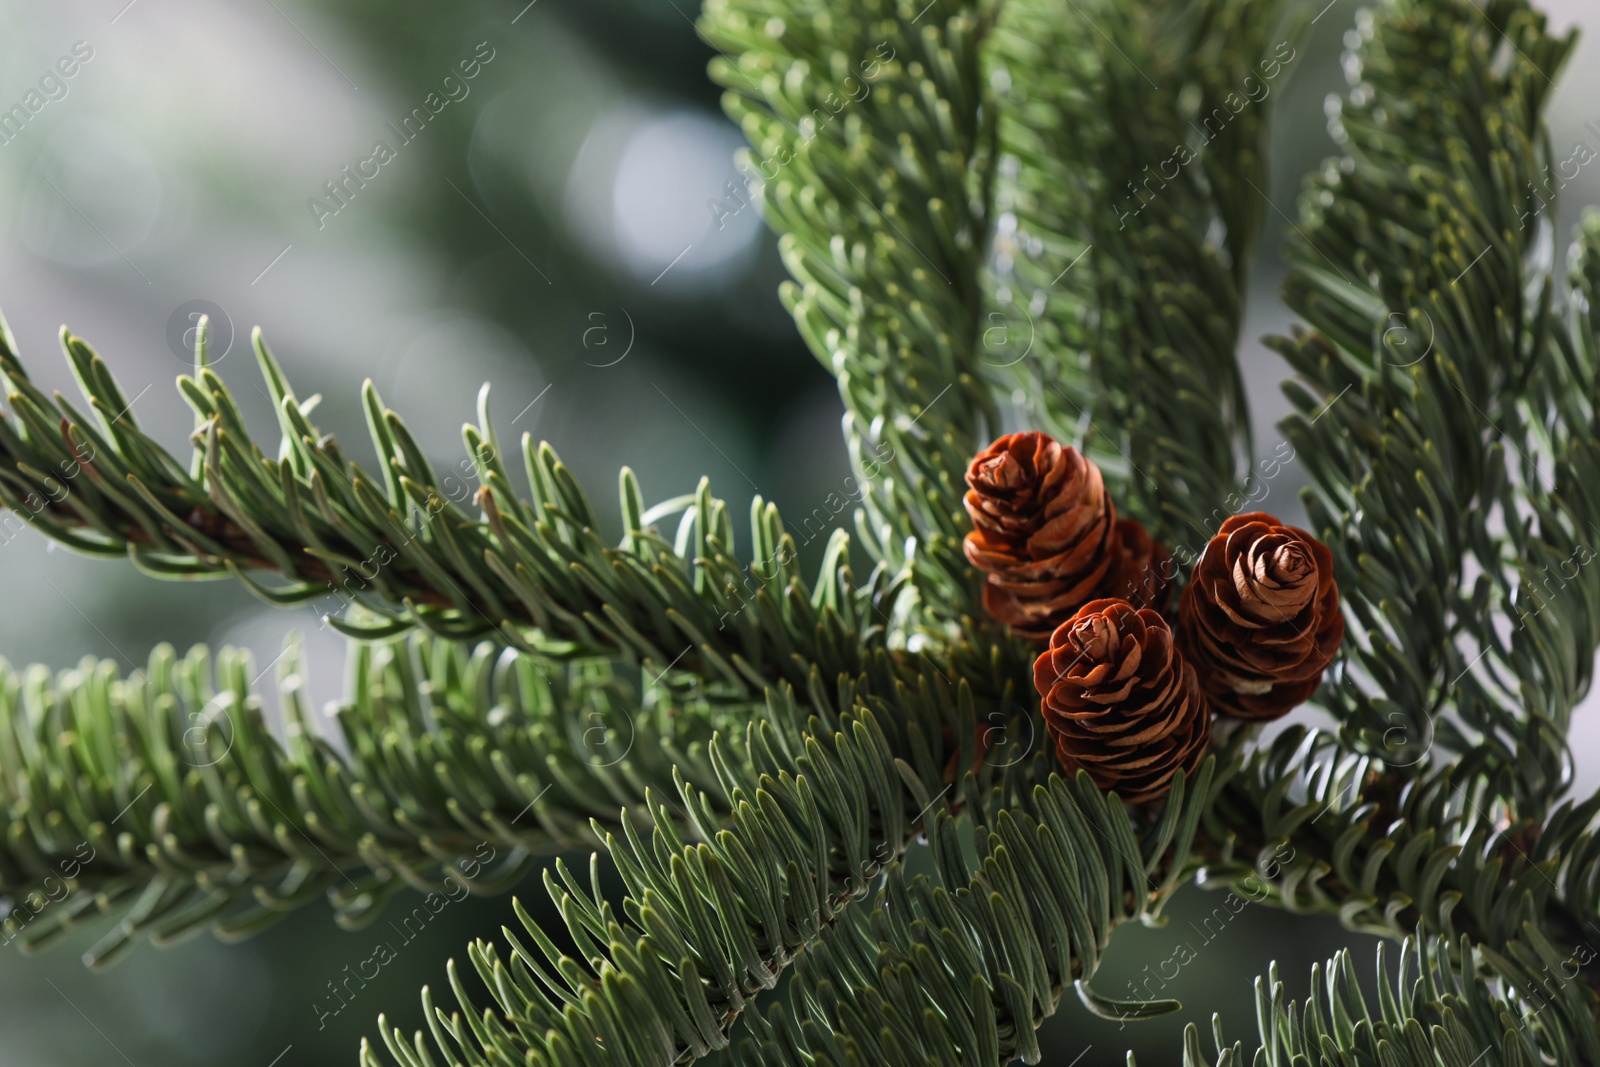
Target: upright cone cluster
(1126, 695)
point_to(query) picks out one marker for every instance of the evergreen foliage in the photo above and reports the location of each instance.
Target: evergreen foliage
(756, 751)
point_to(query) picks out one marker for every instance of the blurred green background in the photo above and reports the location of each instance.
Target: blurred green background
(548, 230)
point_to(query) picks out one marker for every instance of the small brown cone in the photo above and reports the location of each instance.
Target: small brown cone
(1260, 617)
(1120, 702)
(1044, 529)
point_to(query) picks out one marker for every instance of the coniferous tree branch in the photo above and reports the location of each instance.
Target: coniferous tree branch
(534, 574)
(1441, 854)
(1136, 138)
(164, 797)
(963, 966)
(1432, 859)
(796, 745)
(1440, 400)
(1445, 1005)
(1448, 850)
(1303, 825)
(872, 134)
(821, 807)
(1422, 861)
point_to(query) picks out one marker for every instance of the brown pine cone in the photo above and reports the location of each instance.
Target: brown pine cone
(1119, 700)
(1045, 530)
(1144, 576)
(1260, 617)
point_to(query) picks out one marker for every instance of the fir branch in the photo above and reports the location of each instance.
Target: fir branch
(872, 155)
(164, 797)
(1328, 830)
(786, 747)
(1136, 143)
(820, 808)
(1444, 1005)
(1418, 397)
(533, 573)
(964, 966)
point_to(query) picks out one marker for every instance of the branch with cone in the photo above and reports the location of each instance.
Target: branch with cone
(1127, 694)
